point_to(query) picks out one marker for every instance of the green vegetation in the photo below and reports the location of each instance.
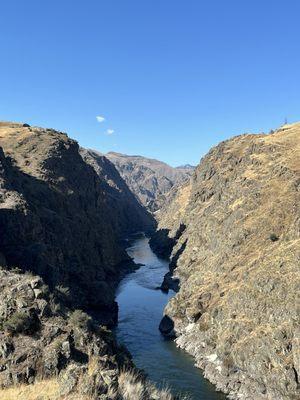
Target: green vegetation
(274, 237)
(20, 322)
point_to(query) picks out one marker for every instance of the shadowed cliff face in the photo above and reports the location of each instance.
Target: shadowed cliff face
(129, 215)
(150, 180)
(237, 310)
(58, 217)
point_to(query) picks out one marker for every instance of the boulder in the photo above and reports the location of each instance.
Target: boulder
(166, 326)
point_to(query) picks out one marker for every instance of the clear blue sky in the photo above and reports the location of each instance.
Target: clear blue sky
(172, 78)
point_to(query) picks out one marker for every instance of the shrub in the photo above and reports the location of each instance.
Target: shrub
(55, 306)
(16, 270)
(63, 294)
(228, 362)
(133, 386)
(63, 291)
(204, 326)
(21, 322)
(274, 237)
(80, 320)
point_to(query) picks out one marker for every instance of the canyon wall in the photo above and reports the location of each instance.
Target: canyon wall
(61, 219)
(234, 238)
(150, 180)
(63, 213)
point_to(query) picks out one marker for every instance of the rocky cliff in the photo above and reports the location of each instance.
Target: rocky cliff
(58, 219)
(49, 351)
(129, 214)
(41, 339)
(234, 233)
(150, 180)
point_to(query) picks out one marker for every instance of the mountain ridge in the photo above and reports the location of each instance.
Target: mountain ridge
(149, 179)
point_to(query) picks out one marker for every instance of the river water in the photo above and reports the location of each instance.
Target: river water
(140, 310)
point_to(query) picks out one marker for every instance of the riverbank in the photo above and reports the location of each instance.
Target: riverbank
(140, 310)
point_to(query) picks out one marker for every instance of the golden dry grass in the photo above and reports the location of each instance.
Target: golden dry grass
(183, 198)
(44, 390)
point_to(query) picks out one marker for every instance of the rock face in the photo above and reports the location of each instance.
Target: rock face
(129, 215)
(59, 218)
(150, 180)
(44, 344)
(40, 339)
(235, 234)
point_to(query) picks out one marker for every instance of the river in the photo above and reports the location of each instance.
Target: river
(140, 310)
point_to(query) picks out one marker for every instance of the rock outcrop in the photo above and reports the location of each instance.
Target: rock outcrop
(48, 351)
(235, 239)
(41, 339)
(150, 180)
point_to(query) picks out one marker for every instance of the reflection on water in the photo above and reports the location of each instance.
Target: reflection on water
(140, 310)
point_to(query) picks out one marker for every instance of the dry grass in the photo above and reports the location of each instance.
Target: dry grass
(183, 198)
(44, 390)
(133, 387)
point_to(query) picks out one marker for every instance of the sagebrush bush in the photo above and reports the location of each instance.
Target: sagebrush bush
(228, 362)
(80, 320)
(131, 386)
(274, 237)
(20, 322)
(62, 291)
(134, 386)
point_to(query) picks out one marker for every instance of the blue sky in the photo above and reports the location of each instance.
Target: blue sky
(172, 78)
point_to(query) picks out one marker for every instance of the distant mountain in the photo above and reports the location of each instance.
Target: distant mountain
(149, 179)
(186, 167)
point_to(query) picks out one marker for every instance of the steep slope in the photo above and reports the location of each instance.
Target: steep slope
(130, 215)
(57, 218)
(235, 234)
(41, 339)
(149, 179)
(48, 351)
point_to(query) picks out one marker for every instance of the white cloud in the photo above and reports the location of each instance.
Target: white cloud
(100, 119)
(109, 131)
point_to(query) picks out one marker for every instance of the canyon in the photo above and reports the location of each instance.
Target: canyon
(230, 228)
(150, 180)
